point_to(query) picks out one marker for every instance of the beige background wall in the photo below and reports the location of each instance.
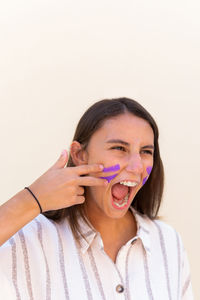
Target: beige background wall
(58, 57)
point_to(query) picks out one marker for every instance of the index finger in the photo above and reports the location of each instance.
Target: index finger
(86, 169)
(91, 181)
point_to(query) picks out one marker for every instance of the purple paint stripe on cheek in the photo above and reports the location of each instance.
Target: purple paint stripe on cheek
(112, 168)
(109, 178)
(149, 169)
(144, 180)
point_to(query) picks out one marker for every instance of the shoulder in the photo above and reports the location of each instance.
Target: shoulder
(160, 232)
(164, 228)
(167, 233)
(34, 233)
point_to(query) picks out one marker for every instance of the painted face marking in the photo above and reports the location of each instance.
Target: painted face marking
(112, 168)
(109, 178)
(149, 169)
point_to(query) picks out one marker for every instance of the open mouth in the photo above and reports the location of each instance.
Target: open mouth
(122, 194)
(121, 203)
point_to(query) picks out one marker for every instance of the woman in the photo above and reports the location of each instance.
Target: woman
(99, 236)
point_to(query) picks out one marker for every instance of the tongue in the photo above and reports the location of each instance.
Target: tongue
(119, 191)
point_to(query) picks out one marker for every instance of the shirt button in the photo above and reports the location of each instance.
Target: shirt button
(119, 288)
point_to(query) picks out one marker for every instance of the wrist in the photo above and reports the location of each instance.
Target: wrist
(35, 198)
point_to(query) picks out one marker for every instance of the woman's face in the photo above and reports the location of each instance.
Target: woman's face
(126, 140)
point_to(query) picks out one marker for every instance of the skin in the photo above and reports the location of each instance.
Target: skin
(116, 226)
(61, 187)
(58, 187)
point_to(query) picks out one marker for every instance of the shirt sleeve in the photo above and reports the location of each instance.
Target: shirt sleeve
(7, 289)
(186, 285)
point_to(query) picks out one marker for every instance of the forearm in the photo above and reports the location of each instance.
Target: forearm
(16, 213)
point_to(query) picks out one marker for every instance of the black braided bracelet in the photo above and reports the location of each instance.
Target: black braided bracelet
(35, 198)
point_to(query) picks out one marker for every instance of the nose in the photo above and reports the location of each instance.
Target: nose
(135, 164)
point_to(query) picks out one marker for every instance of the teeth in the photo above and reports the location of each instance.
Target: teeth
(117, 204)
(128, 183)
(126, 197)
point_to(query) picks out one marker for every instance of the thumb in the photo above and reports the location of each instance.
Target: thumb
(62, 160)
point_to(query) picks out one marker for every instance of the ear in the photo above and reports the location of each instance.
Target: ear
(78, 155)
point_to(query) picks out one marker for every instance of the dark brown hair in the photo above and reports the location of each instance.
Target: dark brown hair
(148, 199)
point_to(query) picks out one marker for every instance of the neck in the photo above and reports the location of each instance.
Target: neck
(112, 229)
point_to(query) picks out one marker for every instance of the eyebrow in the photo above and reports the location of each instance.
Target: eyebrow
(118, 141)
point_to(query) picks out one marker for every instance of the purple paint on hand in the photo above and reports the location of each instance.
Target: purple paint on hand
(144, 180)
(149, 169)
(109, 178)
(112, 168)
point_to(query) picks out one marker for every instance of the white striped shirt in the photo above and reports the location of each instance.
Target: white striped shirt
(43, 262)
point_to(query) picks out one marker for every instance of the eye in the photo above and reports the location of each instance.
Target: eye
(121, 148)
(147, 152)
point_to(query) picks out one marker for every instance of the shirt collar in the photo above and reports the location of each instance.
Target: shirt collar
(143, 229)
(90, 233)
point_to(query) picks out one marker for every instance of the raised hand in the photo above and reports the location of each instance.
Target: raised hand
(61, 187)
